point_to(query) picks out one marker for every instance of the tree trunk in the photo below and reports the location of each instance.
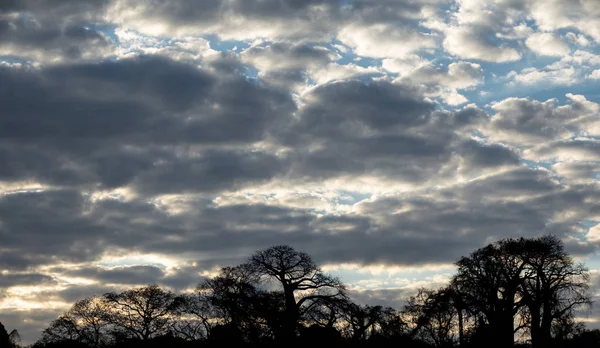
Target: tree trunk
(508, 331)
(545, 334)
(291, 315)
(535, 327)
(461, 331)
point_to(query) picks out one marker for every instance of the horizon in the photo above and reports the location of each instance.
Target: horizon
(156, 142)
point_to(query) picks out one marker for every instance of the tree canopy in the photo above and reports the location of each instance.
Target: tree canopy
(528, 288)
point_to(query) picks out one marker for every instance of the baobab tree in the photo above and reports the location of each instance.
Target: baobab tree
(553, 286)
(530, 279)
(301, 281)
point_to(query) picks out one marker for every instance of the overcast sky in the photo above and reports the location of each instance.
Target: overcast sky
(155, 141)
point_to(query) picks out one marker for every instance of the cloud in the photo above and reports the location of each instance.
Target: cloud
(556, 14)
(444, 82)
(230, 19)
(7, 280)
(41, 43)
(138, 113)
(532, 76)
(296, 66)
(594, 75)
(154, 142)
(385, 41)
(526, 122)
(547, 44)
(472, 43)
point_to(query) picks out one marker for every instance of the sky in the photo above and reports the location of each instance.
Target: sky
(154, 141)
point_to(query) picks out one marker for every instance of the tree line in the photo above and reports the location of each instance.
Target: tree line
(525, 291)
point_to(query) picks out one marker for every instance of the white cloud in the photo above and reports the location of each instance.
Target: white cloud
(404, 65)
(533, 76)
(581, 58)
(521, 31)
(584, 15)
(385, 40)
(593, 234)
(546, 44)
(594, 75)
(578, 39)
(444, 82)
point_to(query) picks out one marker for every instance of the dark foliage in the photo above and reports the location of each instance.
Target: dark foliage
(528, 288)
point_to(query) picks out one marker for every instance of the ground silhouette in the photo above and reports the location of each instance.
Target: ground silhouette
(515, 292)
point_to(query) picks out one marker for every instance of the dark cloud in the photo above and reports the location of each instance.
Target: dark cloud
(53, 31)
(8, 280)
(380, 128)
(108, 123)
(526, 122)
(47, 227)
(481, 155)
(76, 293)
(378, 106)
(42, 43)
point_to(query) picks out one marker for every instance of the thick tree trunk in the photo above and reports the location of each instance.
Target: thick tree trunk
(290, 320)
(534, 311)
(508, 331)
(545, 335)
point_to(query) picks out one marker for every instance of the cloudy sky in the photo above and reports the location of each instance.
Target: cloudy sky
(155, 141)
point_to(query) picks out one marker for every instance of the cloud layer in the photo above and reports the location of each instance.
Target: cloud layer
(153, 142)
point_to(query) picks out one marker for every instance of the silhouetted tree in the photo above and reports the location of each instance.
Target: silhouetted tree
(434, 316)
(361, 319)
(325, 312)
(86, 322)
(231, 295)
(585, 339)
(143, 312)
(490, 279)
(281, 296)
(301, 281)
(553, 286)
(530, 281)
(15, 338)
(327, 336)
(391, 325)
(4, 337)
(195, 317)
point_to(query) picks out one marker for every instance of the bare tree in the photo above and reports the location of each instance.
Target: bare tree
(85, 322)
(390, 324)
(237, 301)
(195, 317)
(15, 338)
(300, 278)
(531, 282)
(144, 312)
(433, 316)
(553, 286)
(228, 293)
(361, 319)
(490, 280)
(324, 312)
